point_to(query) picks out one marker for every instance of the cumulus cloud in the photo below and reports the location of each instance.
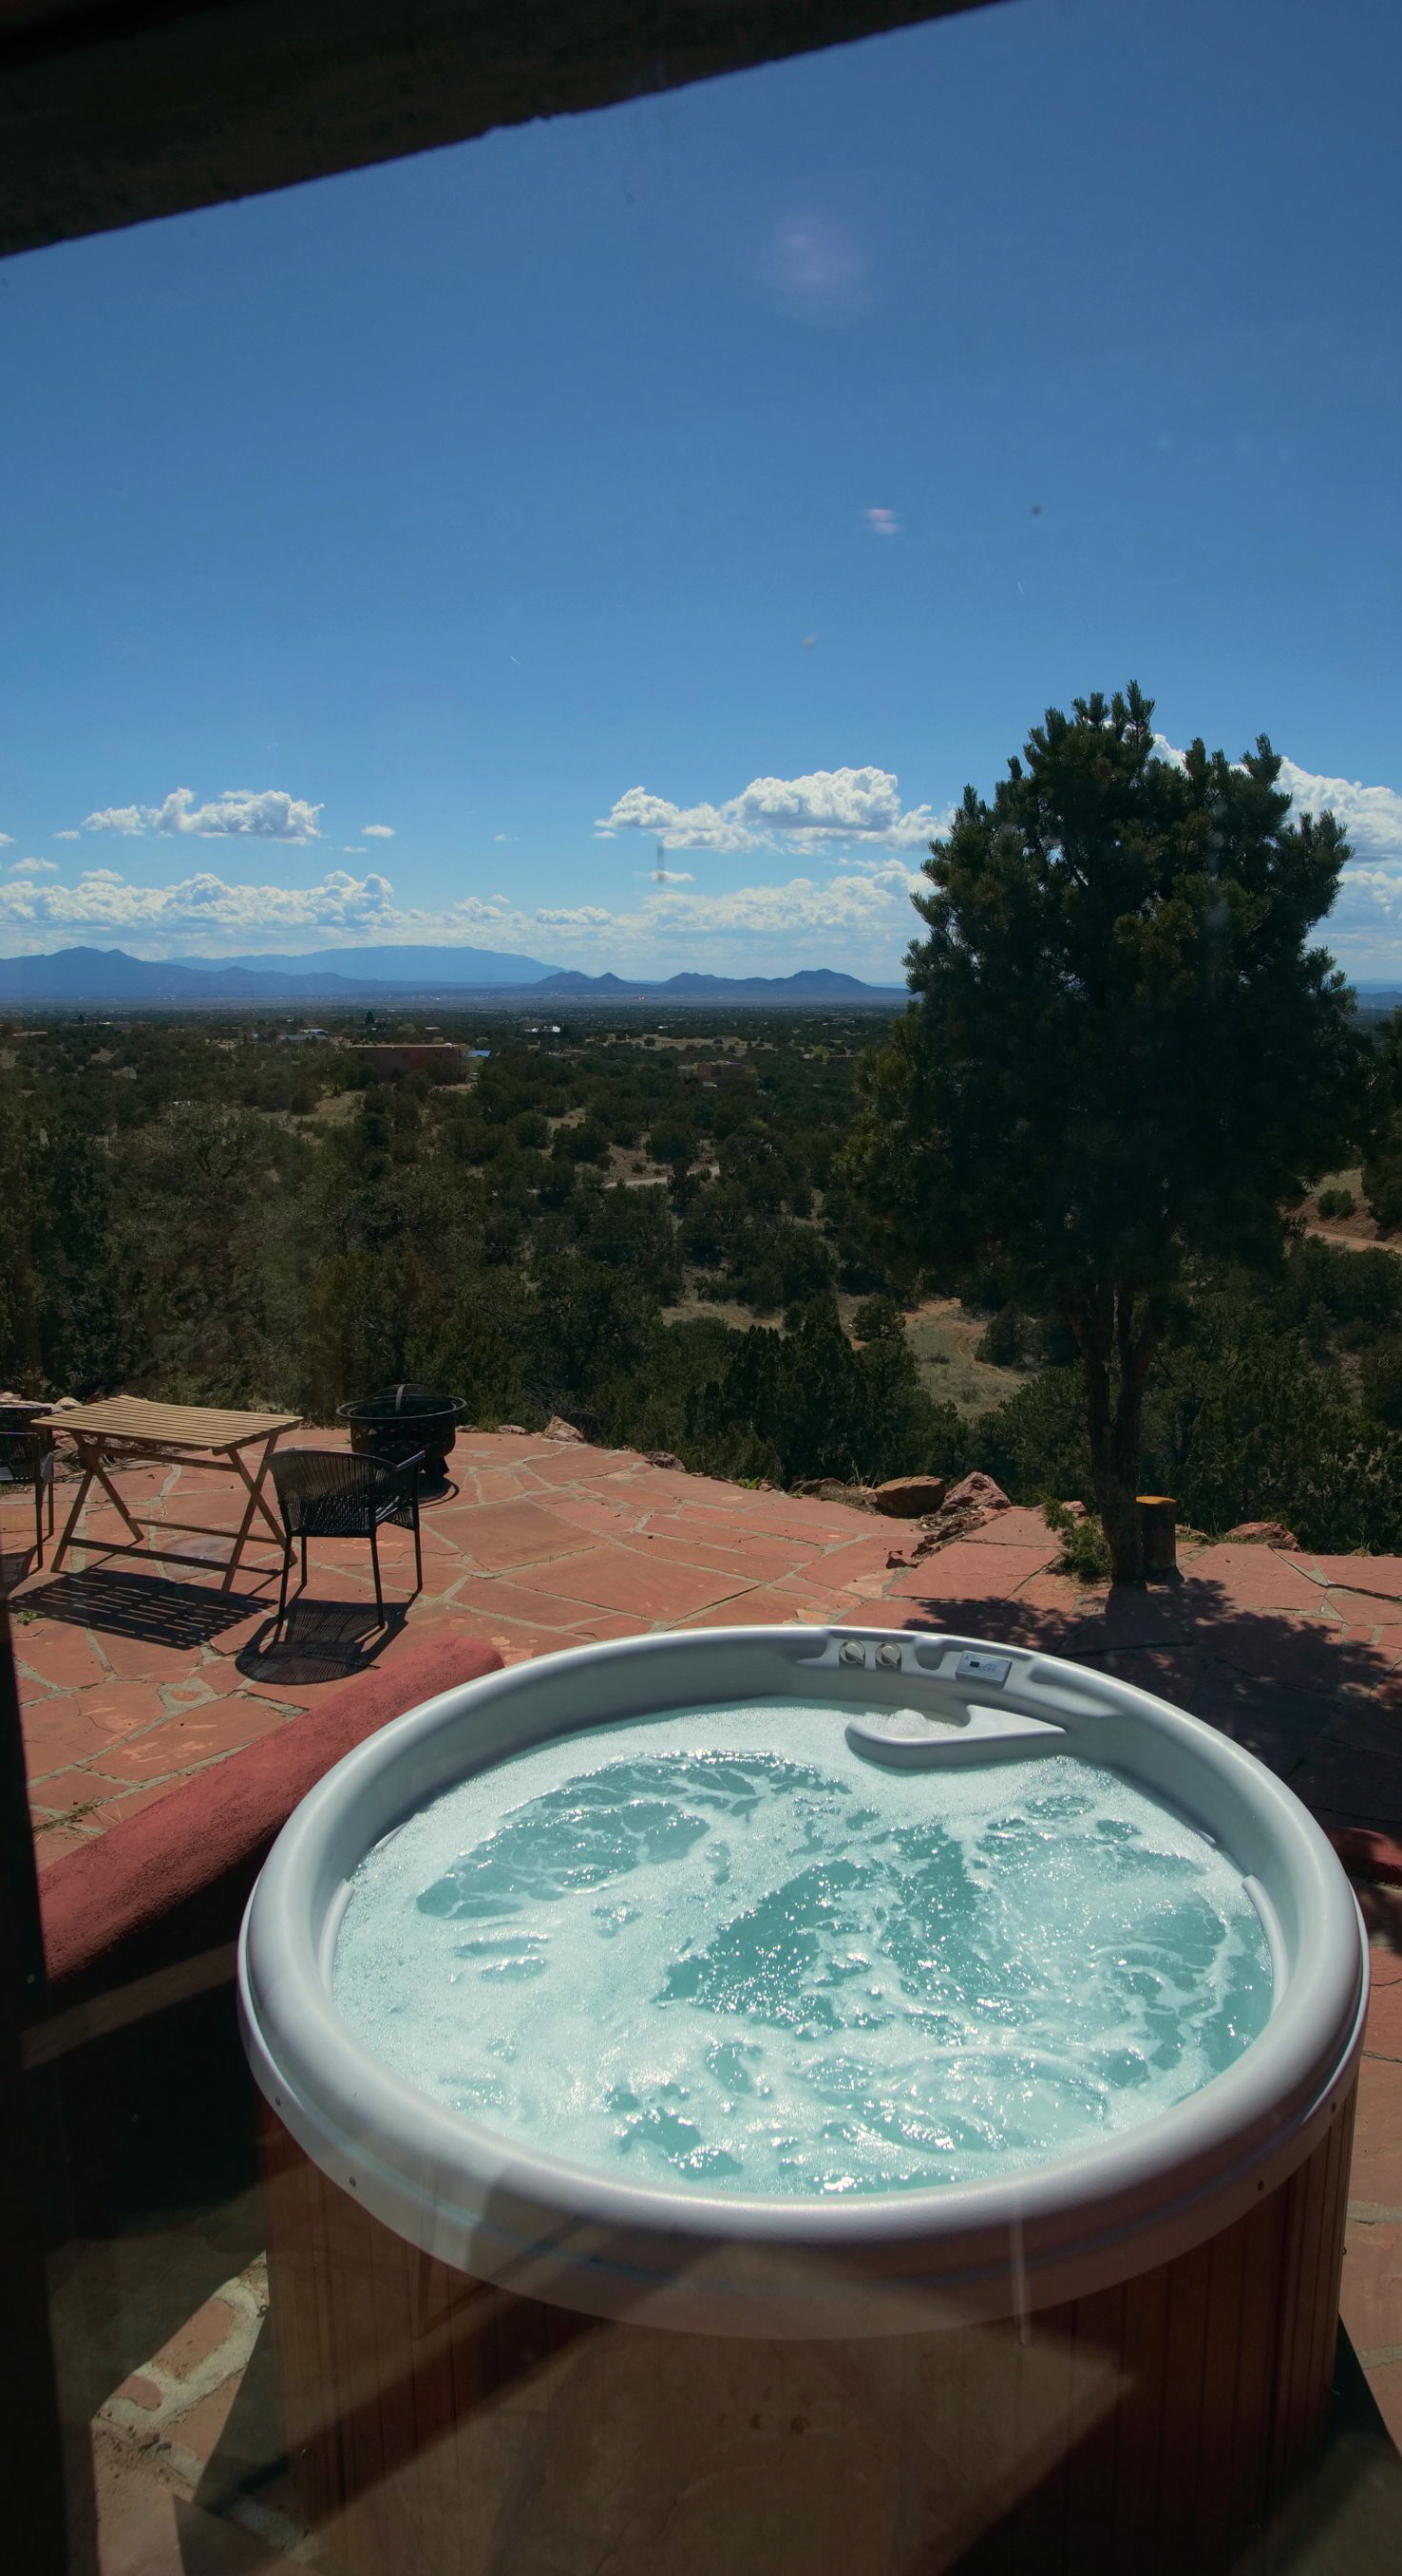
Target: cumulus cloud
(1370, 816)
(667, 876)
(828, 807)
(241, 813)
(33, 867)
(68, 836)
(105, 901)
(7, 840)
(583, 916)
(378, 831)
(117, 818)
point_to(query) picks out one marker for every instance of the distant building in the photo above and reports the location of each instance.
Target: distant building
(304, 1037)
(439, 1055)
(718, 1073)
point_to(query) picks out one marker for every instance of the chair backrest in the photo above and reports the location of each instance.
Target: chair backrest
(326, 1491)
(24, 1454)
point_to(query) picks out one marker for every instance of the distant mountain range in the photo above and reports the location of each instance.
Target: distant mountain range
(78, 976)
(476, 967)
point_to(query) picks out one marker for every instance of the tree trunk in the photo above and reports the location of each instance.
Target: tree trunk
(1117, 1336)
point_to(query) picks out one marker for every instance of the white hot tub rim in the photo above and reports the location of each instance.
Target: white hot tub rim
(491, 2205)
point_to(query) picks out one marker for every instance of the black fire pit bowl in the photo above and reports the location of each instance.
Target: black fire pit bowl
(400, 1419)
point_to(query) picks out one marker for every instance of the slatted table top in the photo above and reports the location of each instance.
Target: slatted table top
(175, 1426)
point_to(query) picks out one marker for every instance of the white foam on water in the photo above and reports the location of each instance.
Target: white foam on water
(720, 1948)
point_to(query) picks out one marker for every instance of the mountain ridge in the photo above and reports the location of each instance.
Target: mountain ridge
(77, 976)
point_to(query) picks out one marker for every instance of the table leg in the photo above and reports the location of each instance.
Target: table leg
(90, 1452)
(72, 1521)
(255, 1501)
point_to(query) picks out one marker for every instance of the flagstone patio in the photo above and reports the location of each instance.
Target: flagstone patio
(132, 1680)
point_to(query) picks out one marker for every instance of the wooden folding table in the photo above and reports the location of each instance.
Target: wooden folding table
(179, 1435)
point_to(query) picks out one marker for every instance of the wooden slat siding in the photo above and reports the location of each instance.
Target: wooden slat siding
(1217, 2460)
(1180, 2407)
(408, 2472)
(1320, 2290)
(432, 2304)
(1303, 2196)
(359, 2401)
(1263, 2243)
(1332, 2270)
(1134, 2540)
(292, 2191)
(415, 2449)
(973, 2453)
(1305, 2400)
(1044, 2411)
(1093, 2467)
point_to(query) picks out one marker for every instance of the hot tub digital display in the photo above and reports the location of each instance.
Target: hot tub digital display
(720, 1948)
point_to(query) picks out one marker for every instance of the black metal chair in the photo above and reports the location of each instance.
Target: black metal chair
(329, 1493)
(27, 1458)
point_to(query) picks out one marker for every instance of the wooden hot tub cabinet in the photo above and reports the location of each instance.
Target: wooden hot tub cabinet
(440, 2425)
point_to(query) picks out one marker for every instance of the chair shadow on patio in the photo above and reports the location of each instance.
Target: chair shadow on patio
(321, 1641)
(144, 1606)
(15, 1564)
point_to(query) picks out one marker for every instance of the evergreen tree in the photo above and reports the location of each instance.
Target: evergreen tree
(1123, 1053)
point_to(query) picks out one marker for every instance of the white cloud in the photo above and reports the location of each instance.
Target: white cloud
(33, 867)
(378, 831)
(666, 876)
(116, 818)
(7, 840)
(67, 836)
(1371, 817)
(353, 850)
(241, 813)
(105, 901)
(827, 807)
(584, 916)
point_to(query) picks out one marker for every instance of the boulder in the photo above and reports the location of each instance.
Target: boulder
(558, 1429)
(831, 1489)
(977, 1492)
(1263, 1534)
(664, 1458)
(905, 1498)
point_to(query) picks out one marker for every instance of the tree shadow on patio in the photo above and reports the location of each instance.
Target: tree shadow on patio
(144, 1606)
(321, 1641)
(1315, 1702)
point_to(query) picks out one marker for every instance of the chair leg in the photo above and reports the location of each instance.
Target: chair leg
(39, 1523)
(375, 1561)
(418, 1554)
(282, 1591)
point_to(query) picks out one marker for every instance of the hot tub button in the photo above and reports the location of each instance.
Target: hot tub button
(890, 1656)
(851, 1652)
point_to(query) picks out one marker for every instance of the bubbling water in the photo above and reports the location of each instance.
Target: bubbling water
(720, 1949)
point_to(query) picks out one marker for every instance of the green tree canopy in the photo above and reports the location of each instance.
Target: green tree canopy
(1123, 1053)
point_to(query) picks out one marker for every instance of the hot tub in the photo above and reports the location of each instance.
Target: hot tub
(617, 2313)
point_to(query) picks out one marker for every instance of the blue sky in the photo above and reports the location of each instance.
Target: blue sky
(404, 556)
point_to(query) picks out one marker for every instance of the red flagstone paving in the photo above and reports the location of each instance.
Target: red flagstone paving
(552, 1543)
